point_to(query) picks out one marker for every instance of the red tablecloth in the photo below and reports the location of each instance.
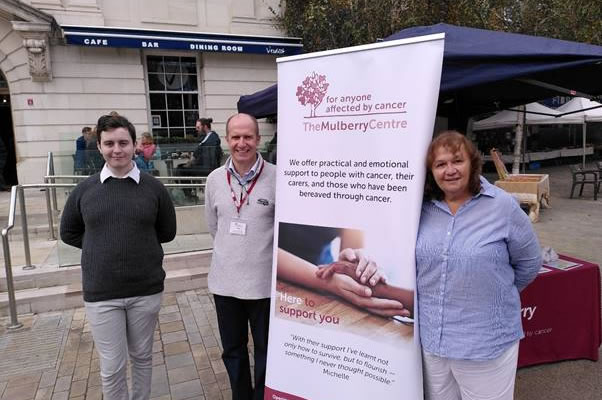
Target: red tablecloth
(561, 315)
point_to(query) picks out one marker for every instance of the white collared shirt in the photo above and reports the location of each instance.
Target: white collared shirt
(243, 180)
(106, 173)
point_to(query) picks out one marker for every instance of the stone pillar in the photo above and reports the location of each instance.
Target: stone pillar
(36, 40)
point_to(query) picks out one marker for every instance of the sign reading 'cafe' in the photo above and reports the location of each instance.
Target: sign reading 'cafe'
(169, 40)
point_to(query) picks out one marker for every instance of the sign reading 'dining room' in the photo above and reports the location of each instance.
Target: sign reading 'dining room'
(354, 125)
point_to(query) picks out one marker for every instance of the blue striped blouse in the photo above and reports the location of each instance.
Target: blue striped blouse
(470, 269)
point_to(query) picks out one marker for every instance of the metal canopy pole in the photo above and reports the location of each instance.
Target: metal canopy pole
(518, 141)
(584, 134)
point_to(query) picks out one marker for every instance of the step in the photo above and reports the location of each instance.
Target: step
(42, 276)
(191, 274)
(47, 275)
(33, 231)
(56, 298)
(37, 225)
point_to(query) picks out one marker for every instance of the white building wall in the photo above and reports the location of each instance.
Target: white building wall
(88, 82)
(248, 17)
(14, 65)
(226, 77)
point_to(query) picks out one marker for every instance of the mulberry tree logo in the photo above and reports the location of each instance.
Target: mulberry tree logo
(312, 91)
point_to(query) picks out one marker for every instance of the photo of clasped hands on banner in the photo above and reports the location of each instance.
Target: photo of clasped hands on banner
(326, 279)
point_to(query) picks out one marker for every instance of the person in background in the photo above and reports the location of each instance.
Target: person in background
(119, 217)
(206, 157)
(271, 149)
(476, 250)
(80, 150)
(208, 154)
(146, 152)
(94, 159)
(239, 209)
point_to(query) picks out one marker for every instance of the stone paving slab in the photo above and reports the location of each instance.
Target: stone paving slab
(70, 370)
(36, 346)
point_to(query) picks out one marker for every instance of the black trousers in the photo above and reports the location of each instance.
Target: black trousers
(233, 317)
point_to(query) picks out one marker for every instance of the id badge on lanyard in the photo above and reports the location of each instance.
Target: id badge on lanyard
(238, 226)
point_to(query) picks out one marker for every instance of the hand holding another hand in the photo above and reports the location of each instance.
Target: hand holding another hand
(345, 283)
(366, 271)
(360, 295)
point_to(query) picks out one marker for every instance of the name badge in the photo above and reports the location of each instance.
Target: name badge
(238, 228)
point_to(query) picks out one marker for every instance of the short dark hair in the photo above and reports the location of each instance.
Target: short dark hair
(86, 129)
(114, 121)
(206, 121)
(453, 141)
(253, 119)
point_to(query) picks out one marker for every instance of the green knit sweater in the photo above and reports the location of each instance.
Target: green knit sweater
(119, 225)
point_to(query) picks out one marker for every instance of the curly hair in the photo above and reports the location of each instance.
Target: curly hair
(454, 142)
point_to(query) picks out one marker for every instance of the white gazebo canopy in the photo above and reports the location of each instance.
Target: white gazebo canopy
(578, 104)
(581, 111)
(536, 114)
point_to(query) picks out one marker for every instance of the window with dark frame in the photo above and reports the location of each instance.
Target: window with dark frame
(173, 94)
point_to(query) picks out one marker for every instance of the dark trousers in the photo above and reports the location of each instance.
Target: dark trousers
(233, 317)
(181, 170)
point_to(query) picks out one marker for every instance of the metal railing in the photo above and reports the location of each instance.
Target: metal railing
(50, 186)
(49, 179)
(12, 303)
(18, 191)
(53, 186)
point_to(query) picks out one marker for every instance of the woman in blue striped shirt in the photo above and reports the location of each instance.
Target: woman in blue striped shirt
(476, 250)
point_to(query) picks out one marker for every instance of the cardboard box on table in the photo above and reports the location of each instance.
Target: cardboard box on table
(530, 189)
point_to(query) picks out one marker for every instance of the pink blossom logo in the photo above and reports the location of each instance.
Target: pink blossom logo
(312, 91)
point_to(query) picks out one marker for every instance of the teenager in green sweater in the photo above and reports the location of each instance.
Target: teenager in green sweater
(119, 217)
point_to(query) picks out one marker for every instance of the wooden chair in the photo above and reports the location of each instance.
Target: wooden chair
(582, 178)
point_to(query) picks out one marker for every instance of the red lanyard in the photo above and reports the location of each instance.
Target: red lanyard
(237, 204)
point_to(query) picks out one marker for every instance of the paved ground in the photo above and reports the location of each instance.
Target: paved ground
(57, 358)
(186, 355)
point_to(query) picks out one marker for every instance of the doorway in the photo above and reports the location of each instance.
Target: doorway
(7, 147)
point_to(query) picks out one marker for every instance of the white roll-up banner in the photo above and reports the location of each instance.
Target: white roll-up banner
(353, 128)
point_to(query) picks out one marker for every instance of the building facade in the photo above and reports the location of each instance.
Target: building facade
(161, 63)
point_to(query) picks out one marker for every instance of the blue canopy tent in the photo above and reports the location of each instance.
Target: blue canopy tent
(486, 71)
(260, 104)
